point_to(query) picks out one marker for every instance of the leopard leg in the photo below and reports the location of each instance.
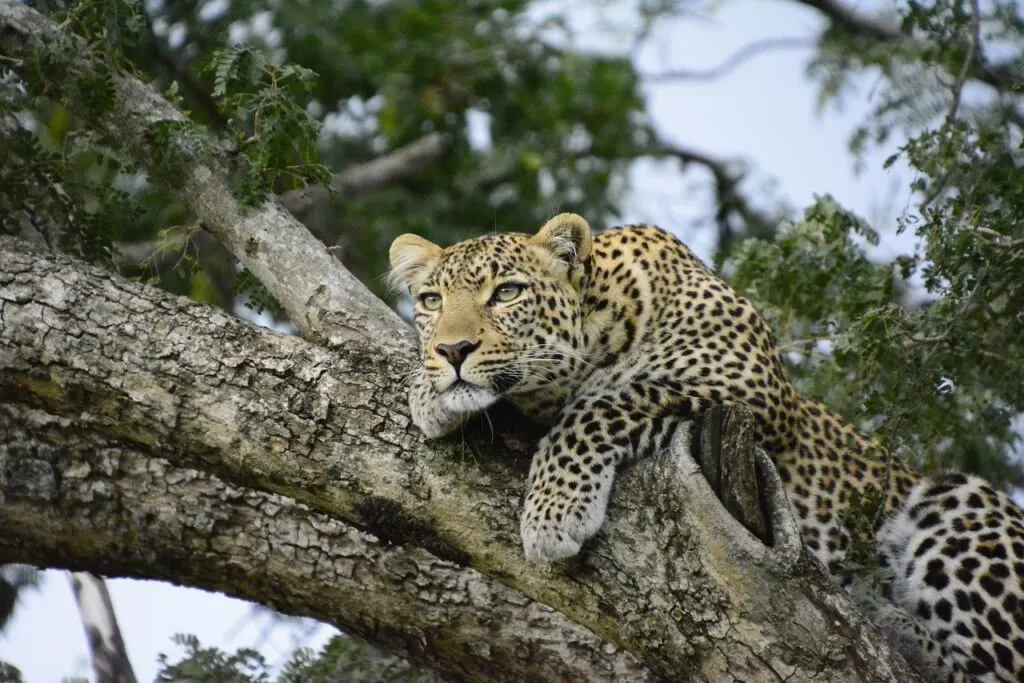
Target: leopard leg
(573, 468)
(905, 633)
(956, 548)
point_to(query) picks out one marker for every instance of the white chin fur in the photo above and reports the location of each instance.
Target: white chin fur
(466, 398)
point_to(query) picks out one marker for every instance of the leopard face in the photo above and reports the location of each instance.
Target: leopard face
(498, 315)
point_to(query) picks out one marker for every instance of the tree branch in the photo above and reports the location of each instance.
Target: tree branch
(727, 177)
(165, 253)
(854, 22)
(364, 178)
(733, 61)
(141, 516)
(162, 438)
(973, 50)
(354, 181)
(156, 437)
(110, 661)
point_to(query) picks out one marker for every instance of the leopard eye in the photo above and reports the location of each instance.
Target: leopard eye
(507, 292)
(430, 301)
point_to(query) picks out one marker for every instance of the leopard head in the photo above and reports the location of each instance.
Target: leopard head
(500, 315)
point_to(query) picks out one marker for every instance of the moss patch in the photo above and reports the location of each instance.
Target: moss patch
(385, 519)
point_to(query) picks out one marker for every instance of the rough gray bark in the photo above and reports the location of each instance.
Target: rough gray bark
(76, 499)
(149, 436)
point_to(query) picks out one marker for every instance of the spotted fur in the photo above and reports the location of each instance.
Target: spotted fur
(615, 339)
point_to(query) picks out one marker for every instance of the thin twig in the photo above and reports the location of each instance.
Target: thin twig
(731, 202)
(796, 344)
(911, 342)
(372, 175)
(735, 60)
(996, 238)
(973, 50)
(957, 88)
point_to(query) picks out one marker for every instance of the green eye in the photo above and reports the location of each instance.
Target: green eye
(507, 292)
(430, 301)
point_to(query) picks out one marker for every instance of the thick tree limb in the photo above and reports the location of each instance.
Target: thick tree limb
(137, 404)
(120, 511)
(304, 451)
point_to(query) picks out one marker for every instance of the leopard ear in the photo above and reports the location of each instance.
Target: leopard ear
(567, 236)
(412, 257)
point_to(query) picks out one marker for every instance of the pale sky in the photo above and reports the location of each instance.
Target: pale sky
(764, 112)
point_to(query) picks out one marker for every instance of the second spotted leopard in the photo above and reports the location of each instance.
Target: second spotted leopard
(614, 340)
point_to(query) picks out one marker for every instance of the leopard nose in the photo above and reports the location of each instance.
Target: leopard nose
(456, 353)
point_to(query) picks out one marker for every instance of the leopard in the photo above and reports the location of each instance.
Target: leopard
(613, 339)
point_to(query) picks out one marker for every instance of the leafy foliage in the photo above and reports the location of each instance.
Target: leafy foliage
(62, 187)
(926, 350)
(211, 665)
(351, 659)
(341, 658)
(275, 136)
(530, 127)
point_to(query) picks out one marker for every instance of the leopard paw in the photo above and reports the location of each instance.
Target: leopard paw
(555, 529)
(544, 542)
